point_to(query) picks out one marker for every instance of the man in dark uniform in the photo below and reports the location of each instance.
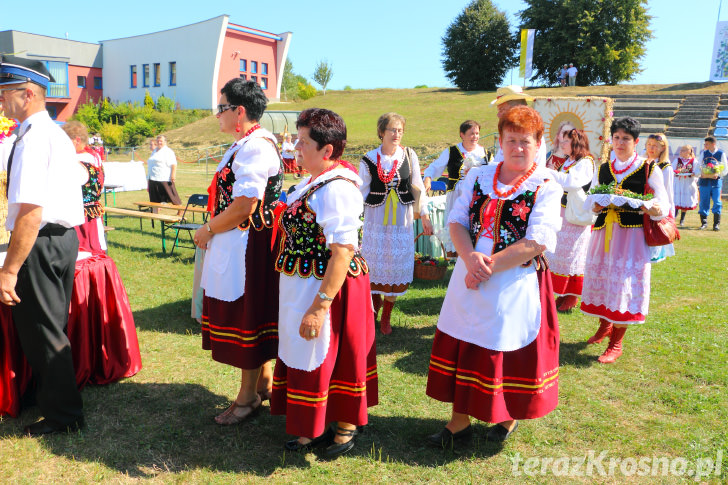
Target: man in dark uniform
(44, 203)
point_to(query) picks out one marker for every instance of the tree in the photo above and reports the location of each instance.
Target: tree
(478, 47)
(604, 39)
(323, 74)
(291, 82)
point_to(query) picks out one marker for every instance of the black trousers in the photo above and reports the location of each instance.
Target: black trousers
(45, 284)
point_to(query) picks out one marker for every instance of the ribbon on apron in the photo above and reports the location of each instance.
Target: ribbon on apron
(610, 219)
(392, 200)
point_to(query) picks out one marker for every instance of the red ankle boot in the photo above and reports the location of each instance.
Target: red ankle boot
(384, 325)
(614, 350)
(377, 303)
(567, 303)
(605, 329)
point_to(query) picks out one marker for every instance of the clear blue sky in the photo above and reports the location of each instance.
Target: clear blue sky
(378, 43)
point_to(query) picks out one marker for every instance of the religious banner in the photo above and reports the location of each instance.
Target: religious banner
(593, 115)
(719, 62)
(527, 38)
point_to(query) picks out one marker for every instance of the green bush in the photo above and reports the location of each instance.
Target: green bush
(306, 91)
(420, 86)
(148, 100)
(164, 104)
(347, 88)
(137, 131)
(113, 135)
(89, 116)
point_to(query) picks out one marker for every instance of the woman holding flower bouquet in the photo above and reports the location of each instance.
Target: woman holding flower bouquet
(617, 272)
(458, 159)
(393, 192)
(686, 187)
(495, 356)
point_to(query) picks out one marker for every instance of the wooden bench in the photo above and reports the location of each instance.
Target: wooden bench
(155, 206)
(163, 218)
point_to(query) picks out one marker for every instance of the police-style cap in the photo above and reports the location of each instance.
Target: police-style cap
(14, 70)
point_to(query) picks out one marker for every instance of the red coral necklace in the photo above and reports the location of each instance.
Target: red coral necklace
(619, 172)
(512, 190)
(251, 130)
(386, 178)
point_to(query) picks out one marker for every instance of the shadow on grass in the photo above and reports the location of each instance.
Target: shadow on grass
(170, 317)
(571, 355)
(183, 253)
(143, 429)
(689, 86)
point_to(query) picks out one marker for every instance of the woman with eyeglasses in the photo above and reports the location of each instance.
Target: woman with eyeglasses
(567, 261)
(393, 192)
(240, 302)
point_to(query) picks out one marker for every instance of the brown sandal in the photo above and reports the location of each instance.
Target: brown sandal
(229, 418)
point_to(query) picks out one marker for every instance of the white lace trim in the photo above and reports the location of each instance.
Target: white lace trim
(250, 192)
(572, 244)
(389, 252)
(542, 235)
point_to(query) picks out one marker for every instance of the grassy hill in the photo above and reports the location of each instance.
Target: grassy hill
(433, 114)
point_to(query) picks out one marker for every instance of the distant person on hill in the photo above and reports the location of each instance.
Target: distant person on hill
(562, 75)
(686, 187)
(509, 97)
(711, 169)
(458, 160)
(162, 167)
(572, 74)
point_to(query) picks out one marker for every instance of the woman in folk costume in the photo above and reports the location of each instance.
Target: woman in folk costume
(393, 190)
(556, 157)
(686, 184)
(567, 261)
(495, 356)
(458, 160)
(91, 232)
(657, 151)
(240, 303)
(617, 272)
(326, 370)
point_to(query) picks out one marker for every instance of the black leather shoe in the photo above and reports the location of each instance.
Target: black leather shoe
(335, 450)
(447, 438)
(499, 433)
(325, 439)
(46, 427)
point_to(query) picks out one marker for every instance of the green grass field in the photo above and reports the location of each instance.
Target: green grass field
(664, 401)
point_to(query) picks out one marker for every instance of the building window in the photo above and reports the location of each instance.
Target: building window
(264, 82)
(145, 75)
(157, 75)
(243, 65)
(172, 73)
(81, 81)
(59, 71)
(133, 72)
(254, 79)
(264, 68)
(243, 77)
(97, 83)
(253, 66)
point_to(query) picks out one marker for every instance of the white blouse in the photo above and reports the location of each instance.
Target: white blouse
(503, 313)
(223, 274)
(436, 168)
(387, 162)
(338, 206)
(577, 176)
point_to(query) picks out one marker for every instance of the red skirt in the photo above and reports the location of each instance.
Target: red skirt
(244, 333)
(88, 237)
(495, 386)
(346, 383)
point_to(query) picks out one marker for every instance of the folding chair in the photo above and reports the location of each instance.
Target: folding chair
(438, 187)
(195, 200)
(720, 133)
(722, 115)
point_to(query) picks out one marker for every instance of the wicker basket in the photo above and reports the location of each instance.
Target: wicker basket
(427, 272)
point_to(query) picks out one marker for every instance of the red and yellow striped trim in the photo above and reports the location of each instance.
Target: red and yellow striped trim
(242, 338)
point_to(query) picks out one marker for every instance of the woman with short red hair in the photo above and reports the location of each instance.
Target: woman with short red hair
(496, 351)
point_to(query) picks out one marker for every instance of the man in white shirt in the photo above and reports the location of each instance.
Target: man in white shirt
(572, 74)
(507, 98)
(36, 280)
